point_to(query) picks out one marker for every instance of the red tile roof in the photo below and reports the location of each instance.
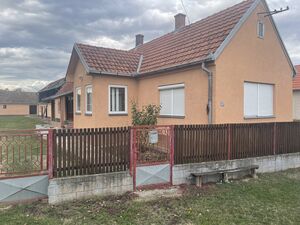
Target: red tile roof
(55, 84)
(67, 88)
(189, 44)
(109, 60)
(296, 80)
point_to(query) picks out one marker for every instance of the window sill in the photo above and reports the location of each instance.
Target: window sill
(258, 117)
(169, 116)
(78, 113)
(88, 114)
(118, 114)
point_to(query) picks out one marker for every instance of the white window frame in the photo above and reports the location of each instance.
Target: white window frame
(258, 29)
(172, 87)
(109, 99)
(258, 115)
(76, 96)
(86, 111)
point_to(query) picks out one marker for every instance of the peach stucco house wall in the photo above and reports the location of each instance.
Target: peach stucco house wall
(241, 57)
(14, 109)
(16, 103)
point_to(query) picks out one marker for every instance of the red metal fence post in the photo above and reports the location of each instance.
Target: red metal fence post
(131, 150)
(50, 153)
(229, 142)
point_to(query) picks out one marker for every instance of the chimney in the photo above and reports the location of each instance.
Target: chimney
(179, 20)
(139, 39)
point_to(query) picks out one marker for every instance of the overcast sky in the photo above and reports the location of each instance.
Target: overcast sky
(36, 37)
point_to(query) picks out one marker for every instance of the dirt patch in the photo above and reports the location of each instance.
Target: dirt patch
(4, 208)
(149, 195)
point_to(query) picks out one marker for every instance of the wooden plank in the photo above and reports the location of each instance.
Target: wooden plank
(64, 153)
(68, 151)
(96, 165)
(92, 148)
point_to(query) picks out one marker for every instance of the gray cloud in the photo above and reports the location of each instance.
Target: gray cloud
(36, 37)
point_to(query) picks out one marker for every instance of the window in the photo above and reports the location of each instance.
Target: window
(4, 106)
(258, 100)
(117, 99)
(260, 29)
(172, 100)
(78, 100)
(89, 99)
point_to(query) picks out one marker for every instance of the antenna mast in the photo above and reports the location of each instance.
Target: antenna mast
(185, 12)
(270, 13)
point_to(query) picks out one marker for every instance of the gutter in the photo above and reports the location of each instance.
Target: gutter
(210, 83)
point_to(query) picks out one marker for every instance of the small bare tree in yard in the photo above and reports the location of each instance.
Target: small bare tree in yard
(146, 116)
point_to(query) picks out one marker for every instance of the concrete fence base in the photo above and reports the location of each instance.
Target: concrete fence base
(71, 188)
(181, 173)
(77, 187)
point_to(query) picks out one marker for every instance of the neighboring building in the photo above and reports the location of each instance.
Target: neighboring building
(296, 94)
(48, 106)
(56, 102)
(231, 67)
(64, 100)
(18, 103)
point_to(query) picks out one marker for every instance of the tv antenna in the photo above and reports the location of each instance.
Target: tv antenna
(185, 12)
(270, 13)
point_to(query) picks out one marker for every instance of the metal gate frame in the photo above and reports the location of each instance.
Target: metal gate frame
(134, 152)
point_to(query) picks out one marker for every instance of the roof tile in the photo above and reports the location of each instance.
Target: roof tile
(296, 80)
(188, 44)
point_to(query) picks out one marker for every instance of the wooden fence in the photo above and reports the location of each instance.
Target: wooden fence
(202, 143)
(103, 150)
(90, 151)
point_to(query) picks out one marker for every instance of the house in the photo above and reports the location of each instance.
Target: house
(231, 67)
(18, 103)
(49, 107)
(296, 94)
(56, 102)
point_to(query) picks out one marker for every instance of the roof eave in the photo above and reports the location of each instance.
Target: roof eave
(176, 67)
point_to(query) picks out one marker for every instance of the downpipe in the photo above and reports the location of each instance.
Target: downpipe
(209, 103)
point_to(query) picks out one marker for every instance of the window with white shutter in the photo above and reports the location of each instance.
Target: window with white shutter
(78, 99)
(172, 100)
(117, 99)
(258, 100)
(88, 99)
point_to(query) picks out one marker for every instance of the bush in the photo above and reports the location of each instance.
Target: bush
(147, 116)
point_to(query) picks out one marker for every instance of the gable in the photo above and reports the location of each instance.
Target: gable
(257, 7)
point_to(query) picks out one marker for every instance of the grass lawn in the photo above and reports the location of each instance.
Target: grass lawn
(19, 122)
(270, 199)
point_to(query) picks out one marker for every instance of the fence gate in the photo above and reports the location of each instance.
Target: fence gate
(151, 152)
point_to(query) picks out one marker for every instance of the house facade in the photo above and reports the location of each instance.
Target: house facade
(296, 94)
(231, 67)
(18, 103)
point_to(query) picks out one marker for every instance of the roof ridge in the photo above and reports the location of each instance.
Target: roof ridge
(105, 48)
(188, 26)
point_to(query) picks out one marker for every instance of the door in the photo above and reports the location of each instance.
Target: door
(52, 110)
(32, 109)
(69, 107)
(151, 156)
